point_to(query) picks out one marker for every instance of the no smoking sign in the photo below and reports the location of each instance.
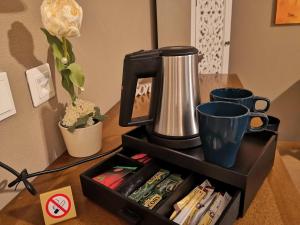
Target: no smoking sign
(58, 205)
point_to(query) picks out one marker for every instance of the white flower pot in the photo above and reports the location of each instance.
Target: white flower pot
(83, 142)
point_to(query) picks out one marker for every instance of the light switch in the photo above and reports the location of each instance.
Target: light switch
(40, 84)
(7, 106)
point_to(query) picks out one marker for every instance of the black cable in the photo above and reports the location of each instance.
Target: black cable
(24, 175)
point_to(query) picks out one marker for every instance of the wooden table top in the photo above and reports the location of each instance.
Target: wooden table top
(276, 203)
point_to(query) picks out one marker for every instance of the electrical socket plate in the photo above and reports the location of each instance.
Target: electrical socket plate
(7, 105)
(40, 84)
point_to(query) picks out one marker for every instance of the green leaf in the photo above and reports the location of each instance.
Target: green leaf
(97, 110)
(67, 83)
(76, 76)
(55, 43)
(71, 55)
(100, 118)
(72, 128)
(80, 123)
(59, 65)
(98, 115)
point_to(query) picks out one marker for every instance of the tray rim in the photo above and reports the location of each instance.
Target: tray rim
(240, 177)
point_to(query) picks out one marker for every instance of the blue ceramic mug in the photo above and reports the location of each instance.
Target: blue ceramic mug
(241, 96)
(222, 126)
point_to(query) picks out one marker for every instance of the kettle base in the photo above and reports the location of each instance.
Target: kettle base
(178, 144)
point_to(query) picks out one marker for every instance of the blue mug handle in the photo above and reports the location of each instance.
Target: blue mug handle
(258, 98)
(265, 121)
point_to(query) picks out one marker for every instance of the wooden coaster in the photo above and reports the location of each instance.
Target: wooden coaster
(58, 205)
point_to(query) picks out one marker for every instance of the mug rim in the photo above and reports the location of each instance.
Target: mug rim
(223, 102)
(222, 89)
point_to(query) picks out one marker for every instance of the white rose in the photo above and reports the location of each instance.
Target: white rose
(62, 18)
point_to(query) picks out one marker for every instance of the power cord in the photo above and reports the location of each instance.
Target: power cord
(24, 175)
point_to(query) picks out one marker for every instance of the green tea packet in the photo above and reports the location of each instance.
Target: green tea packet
(162, 190)
(146, 189)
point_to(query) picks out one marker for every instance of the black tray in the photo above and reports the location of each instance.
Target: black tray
(117, 201)
(254, 161)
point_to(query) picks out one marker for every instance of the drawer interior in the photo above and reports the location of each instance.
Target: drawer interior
(129, 152)
(144, 172)
(116, 160)
(143, 175)
(189, 184)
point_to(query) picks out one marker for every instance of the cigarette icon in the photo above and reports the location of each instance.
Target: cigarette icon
(56, 209)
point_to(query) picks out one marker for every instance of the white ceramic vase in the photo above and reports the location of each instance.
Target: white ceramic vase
(83, 142)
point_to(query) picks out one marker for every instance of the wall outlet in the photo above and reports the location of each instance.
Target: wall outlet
(7, 106)
(40, 84)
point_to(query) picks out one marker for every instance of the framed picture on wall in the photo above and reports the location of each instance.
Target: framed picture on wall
(287, 12)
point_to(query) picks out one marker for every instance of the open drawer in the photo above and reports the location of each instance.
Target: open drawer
(117, 200)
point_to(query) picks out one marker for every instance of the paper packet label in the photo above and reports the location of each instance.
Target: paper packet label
(183, 202)
(215, 211)
(145, 189)
(162, 190)
(202, 207)
(186, 214)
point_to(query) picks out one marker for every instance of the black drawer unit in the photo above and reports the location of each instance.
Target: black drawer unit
(255, 160)
(117, 201)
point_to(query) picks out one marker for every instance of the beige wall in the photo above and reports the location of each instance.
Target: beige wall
(30, 139)
(173, 22)
(266, 57)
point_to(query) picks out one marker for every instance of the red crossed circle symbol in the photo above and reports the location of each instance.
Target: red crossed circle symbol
(63, 210)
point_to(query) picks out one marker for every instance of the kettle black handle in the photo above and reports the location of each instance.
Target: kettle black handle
(142, 64)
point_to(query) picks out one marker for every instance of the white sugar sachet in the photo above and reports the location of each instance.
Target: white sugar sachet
(216, 209)
(225, 202)
(187, 213)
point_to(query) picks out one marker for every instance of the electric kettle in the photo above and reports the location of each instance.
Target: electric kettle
(172, 119)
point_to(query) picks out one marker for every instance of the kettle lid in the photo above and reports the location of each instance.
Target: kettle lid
(178, 51)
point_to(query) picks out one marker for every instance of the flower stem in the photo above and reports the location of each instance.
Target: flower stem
(65, 47)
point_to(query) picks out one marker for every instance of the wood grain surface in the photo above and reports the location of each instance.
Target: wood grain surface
(276, 203)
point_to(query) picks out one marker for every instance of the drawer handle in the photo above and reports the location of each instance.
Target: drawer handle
(129, 216)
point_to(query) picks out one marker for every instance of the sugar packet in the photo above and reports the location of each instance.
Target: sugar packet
(216, 209)
(224, 204)
(183, 202)
(187, 213)
(202, 207)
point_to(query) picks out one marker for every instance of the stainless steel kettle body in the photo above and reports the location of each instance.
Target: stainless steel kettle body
(176, 115)
(172, 119)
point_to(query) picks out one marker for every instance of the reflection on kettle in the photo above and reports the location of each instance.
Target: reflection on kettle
(172, 119)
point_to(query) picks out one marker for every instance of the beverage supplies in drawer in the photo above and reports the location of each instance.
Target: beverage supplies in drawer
(202, 206)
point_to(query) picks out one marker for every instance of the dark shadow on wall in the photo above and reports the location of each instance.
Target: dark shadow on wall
(287, 108)
(51, 115)
(274, 8)
(153, 13)
(3, 185)
(53, 138)
(21, 45)
(5, 189)
(11, 6)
